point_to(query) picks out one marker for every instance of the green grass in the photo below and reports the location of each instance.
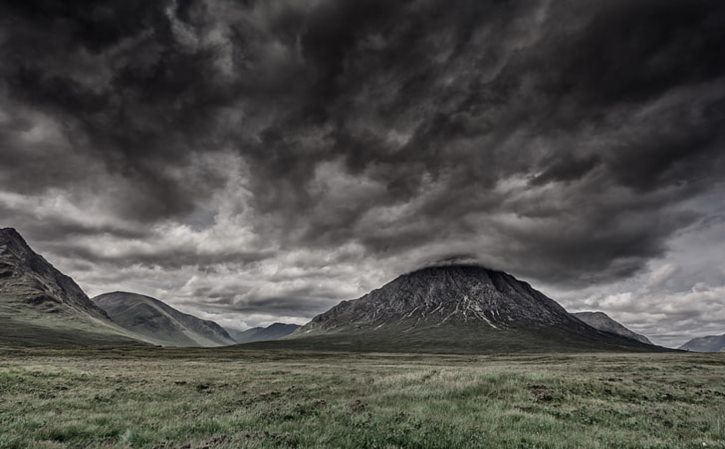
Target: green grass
(458, 338)
(173, 398)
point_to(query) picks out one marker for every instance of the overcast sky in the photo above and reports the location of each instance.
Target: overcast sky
(258, 161)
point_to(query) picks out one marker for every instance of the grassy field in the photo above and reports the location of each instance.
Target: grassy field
(157, 398)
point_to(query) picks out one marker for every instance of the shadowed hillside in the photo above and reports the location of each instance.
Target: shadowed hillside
(603, 322)
(39, 305)
(160, 323)
(711, 343)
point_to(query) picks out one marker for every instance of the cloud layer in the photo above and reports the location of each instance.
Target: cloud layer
(254, 161)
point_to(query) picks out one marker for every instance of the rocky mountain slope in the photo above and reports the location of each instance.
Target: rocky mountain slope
(272, 332)
(41, 305)
(712, 343)
(456, 308)
(160, 323)
(603, 322)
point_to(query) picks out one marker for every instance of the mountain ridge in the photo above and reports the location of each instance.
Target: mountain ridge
(47, 278)
(159, 322)
(603, 322)
(709, 343)
(274, 331)
(41, 305)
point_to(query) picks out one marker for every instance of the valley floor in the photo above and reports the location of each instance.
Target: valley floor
(232, 398)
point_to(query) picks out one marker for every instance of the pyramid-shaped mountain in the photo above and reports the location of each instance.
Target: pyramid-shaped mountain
(456, 308)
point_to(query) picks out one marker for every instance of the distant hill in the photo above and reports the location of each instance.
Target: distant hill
(712, 343)
(455, 308)
(603, 322)
(160, 323)
(39, 305)
(272, 332)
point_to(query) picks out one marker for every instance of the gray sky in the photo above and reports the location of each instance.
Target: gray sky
(259, 161)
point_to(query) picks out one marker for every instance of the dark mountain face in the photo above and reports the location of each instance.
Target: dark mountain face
(160, 323)
(27, 276)
(272, 332)
(447, 295)
(41, 305)
(460, 307)
(712, 343)
(603, 322)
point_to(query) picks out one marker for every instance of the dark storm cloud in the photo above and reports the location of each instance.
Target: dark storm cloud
(603, 93)
(119, 83)
(168, 258)
(564, 140)
(567, 169)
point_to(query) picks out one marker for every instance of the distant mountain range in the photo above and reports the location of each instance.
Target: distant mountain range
(452, 308)
(39, 305)
(602, 321)
(712, 343)
(272, 332)
(456, 308)
(159, 323)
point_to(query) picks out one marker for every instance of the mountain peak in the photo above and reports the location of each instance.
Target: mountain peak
(460, 268)
(30, 276)
(446, 294)
(31, 287)
(10, 236)
(9, 231)
(455, 307)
